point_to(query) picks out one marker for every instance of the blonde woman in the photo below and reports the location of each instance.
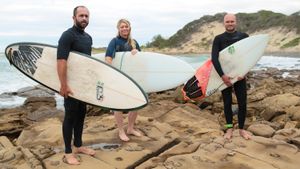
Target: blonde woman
(123, 42)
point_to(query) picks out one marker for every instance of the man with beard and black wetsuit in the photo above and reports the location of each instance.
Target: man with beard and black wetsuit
(220, 42)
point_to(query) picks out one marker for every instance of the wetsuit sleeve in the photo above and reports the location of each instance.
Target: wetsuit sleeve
(64, 45)
(215, 56)
(137, 46)
(91, 44)
(111, 49)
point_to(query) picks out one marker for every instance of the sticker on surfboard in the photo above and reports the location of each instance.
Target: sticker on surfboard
(99, 91)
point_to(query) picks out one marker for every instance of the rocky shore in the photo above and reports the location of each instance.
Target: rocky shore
(176, 134)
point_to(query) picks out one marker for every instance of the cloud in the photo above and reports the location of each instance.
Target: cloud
(45, 20)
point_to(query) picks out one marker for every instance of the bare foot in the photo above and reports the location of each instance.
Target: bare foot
(123, 136)
(70, 159)
(228, 134)
(134, 132)
(245, 134)
(85, 150)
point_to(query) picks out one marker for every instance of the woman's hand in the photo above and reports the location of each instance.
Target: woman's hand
(134, 51)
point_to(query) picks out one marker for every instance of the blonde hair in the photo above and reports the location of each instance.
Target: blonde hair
(130, 41)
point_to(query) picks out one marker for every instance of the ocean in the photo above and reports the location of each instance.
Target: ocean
(11, 79)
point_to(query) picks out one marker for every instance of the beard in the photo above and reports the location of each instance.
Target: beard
(82, 25)
(230, 29)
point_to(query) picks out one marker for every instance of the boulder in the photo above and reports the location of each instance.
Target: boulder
(261, 130)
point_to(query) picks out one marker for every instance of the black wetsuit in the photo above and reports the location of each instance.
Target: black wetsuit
(74, 39)
(220, 42)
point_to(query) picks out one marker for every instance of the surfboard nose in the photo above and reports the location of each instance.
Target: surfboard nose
(264, 38)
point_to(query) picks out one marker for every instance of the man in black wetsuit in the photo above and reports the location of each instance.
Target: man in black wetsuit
(220, 42)
(73, 39)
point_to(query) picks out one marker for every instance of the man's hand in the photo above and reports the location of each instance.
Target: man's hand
(62, 75)
(65, 91)
(240, 78)
(226, 80)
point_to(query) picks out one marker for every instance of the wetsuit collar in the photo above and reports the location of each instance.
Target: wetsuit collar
(120, 37)
(78, 29)
(230, 32)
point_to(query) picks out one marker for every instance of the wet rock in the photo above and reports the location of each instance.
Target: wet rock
(276, 105)
(7, 95)
(276, 126)
(41, 133)
(34, 103)
(270, 113)
(35, 91)
(287, 134)
(296, 141)
(282, 101)
(42, 151)
(133, 147)
(281, 119)
(44, 112)
(13, 157)
(290, 124)
(11, 121)
(96, 111)
(256, 96)
(31, 159)
(261, 130)
(294, 111)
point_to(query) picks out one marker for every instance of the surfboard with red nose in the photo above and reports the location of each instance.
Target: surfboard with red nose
(236, 61)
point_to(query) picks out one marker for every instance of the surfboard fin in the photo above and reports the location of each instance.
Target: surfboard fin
(191, 90)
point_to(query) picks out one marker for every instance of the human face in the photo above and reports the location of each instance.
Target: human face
(124, 30)
(230, 23)
(81, 19)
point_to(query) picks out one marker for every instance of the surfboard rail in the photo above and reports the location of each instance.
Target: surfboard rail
(154, 72)
(109, 88)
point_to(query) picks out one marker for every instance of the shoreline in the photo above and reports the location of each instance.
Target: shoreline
(283, 54)
(274, 53)
(294, 54)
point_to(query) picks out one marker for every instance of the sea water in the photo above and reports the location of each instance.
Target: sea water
(279, 62)
(11, 79)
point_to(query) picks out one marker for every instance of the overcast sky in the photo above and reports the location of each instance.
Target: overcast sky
(43, 21)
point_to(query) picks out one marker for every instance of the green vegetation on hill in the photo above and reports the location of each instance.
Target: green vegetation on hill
(183, 34)
(158, 42)
(247, 22)
(267, 19)
(98, 50)
(292, 43)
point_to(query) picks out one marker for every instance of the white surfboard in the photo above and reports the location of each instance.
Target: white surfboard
(236, 61)
(154, 72)
(91, 80)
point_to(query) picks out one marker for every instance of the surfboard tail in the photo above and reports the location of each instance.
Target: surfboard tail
(195, 88)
